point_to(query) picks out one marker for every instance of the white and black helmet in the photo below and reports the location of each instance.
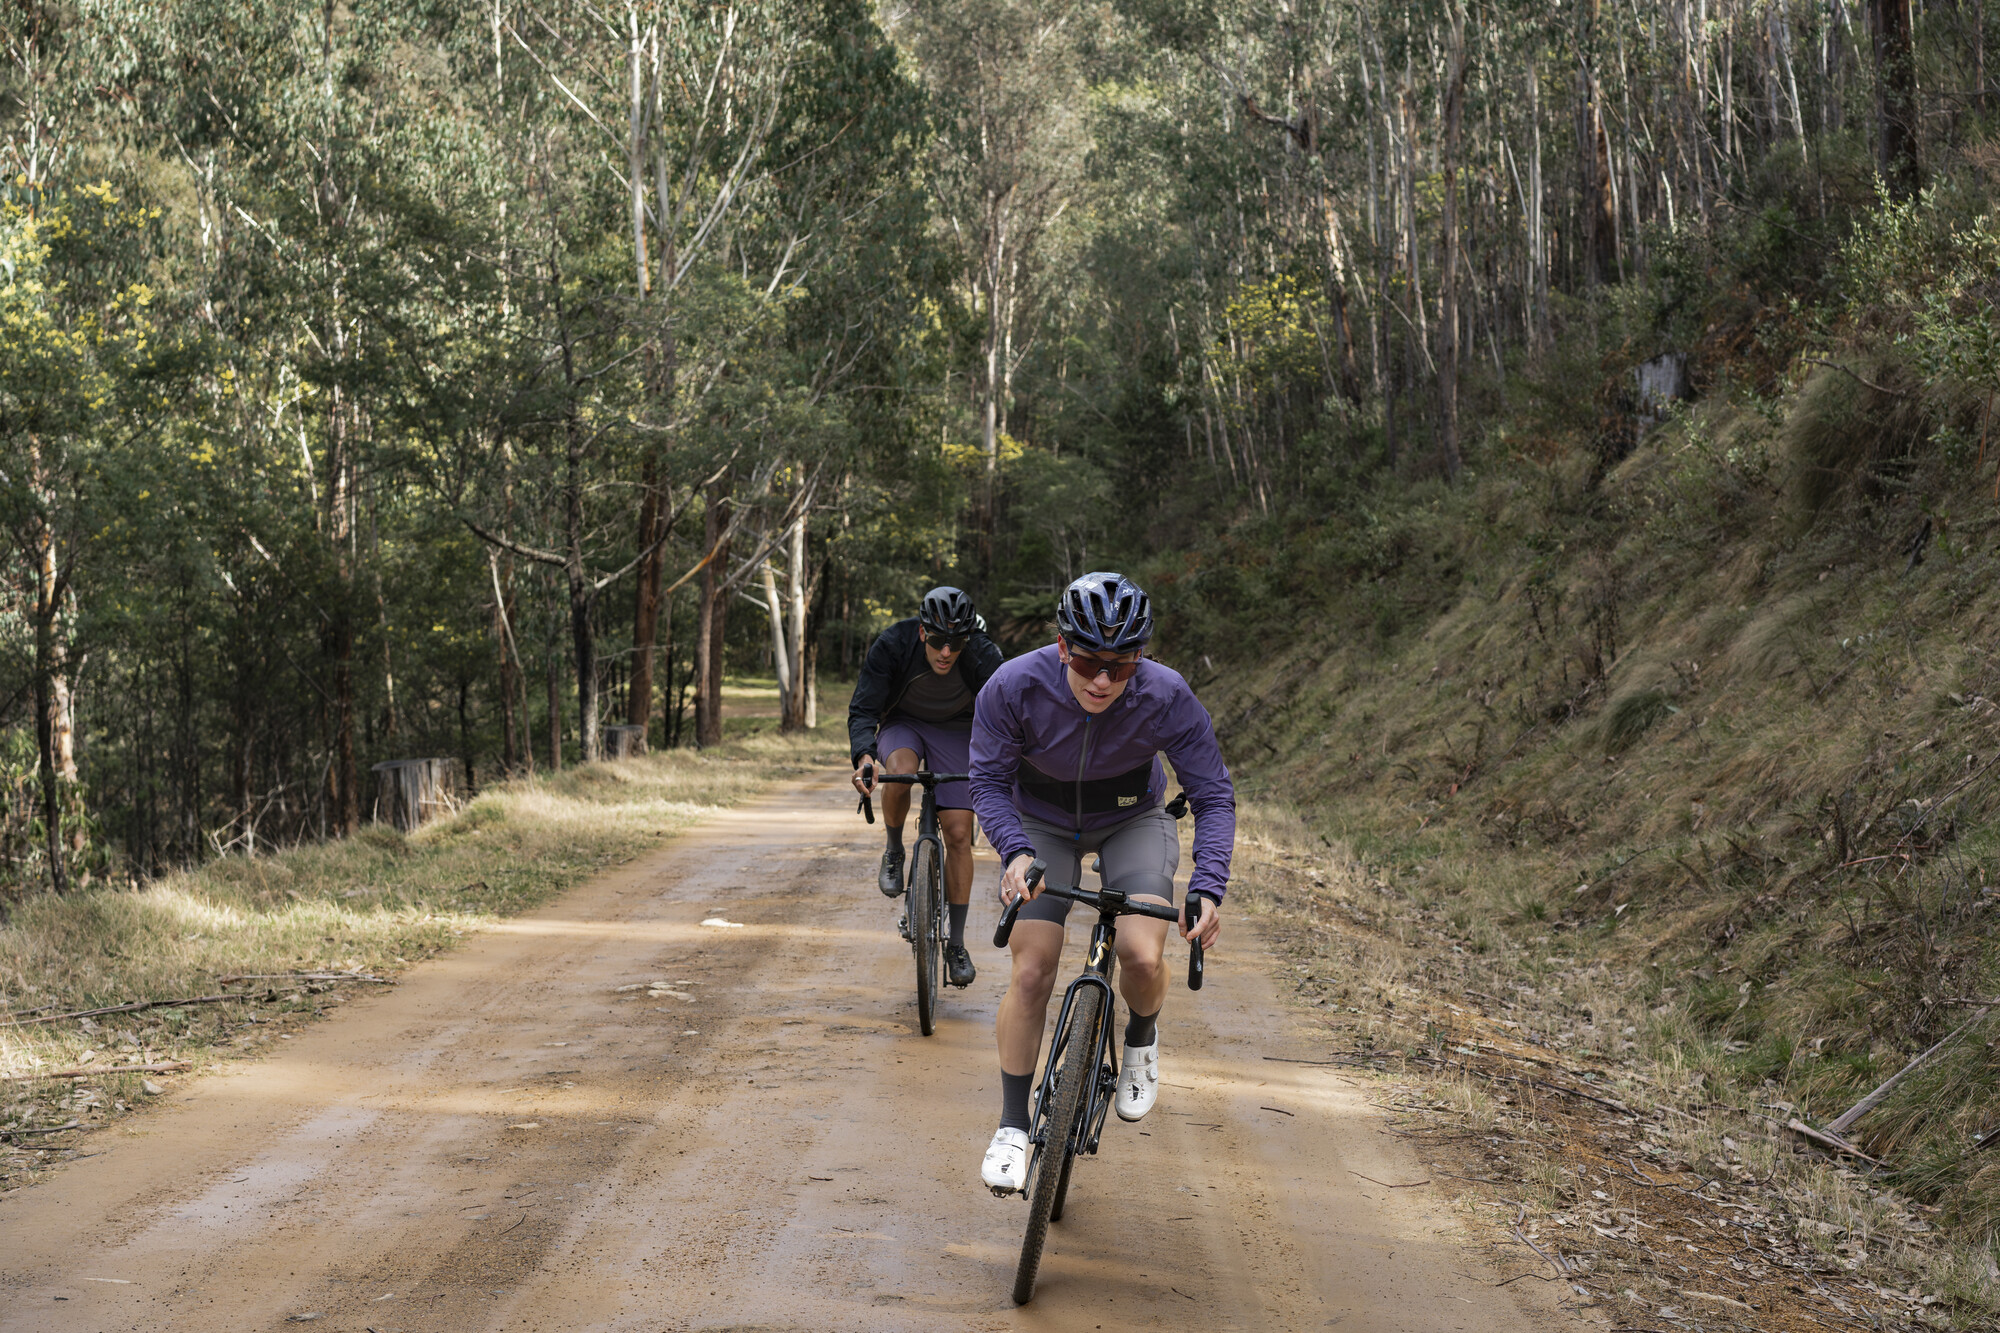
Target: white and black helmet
(1106, 613)
(949, 612)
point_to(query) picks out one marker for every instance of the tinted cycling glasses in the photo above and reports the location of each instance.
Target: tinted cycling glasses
(1089, 666)
(955, 642)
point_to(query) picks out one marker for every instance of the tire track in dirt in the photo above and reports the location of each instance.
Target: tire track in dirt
(508, 1141)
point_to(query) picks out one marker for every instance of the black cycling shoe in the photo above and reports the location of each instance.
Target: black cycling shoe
(890, 880)
(958, 968)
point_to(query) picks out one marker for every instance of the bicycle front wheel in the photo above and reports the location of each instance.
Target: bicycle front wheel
(924, 931)
(1078, 1053)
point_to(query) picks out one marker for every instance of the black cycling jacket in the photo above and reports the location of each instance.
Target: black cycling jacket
(894, 660)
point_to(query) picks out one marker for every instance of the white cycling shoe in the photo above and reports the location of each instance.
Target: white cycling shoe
(1138, 1081)
(1005, 1169)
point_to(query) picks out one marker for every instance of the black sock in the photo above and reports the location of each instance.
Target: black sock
(1014, 1100)
(958, 911)
(1142, 1029)
(895, 840)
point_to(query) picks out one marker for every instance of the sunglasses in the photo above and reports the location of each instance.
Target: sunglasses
(941, 642)
(1090, 667)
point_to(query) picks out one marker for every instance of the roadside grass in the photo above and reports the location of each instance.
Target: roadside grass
(1453, 1033)
(1679, 777)
(371, 904)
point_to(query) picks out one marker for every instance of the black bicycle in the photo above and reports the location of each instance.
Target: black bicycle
(1080, 1078)
(924, 924)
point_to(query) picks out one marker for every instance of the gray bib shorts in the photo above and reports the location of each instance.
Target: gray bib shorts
(1140, 856)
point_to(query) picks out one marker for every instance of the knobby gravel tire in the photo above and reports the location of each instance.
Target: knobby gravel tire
(1059, 1136)
(1062, 1186)
(924, 932)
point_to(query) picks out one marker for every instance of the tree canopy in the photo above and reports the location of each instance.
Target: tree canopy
(381, 380)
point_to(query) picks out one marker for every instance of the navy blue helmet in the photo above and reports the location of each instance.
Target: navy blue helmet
(1105, 613)
(949, 612)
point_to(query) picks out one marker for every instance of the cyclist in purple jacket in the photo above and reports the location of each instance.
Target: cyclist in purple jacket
(1066, 743)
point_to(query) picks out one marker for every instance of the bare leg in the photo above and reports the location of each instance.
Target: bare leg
(1037, 952)
(956, 826)
(896, 795)
(1142, 969)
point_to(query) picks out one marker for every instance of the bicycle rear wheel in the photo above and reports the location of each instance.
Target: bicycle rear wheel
(924, 931)
(1078, 1053)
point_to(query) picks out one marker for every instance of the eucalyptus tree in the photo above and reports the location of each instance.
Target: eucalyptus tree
(1010, 81)
(86, 372)
(742, 147)
(296, 133)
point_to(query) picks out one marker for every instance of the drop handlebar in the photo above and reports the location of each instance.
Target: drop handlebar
(1111, 900)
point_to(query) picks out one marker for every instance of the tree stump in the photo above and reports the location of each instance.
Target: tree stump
(624, 742)
(409, 792)
(1661, 382)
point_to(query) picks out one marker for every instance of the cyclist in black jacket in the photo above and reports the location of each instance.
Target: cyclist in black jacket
(912, 702)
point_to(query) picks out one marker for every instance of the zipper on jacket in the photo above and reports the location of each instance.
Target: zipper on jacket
(1082, 759)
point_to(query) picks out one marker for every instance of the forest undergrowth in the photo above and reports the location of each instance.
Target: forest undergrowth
(289, 936)
(1669, 756)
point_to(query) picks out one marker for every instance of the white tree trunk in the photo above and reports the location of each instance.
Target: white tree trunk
(778, 655)
(801, 710)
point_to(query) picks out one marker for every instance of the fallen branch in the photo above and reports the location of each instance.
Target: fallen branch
(1518, 1276)
(1620, 1107)
(1870, 384)
(1555, 1264)
(133, 1007)
(1873, 1099)
(235, 977)
(166, 1067)
(1826, 1139)
(54, 1129)
(1606, 1103)
(1406, 1185)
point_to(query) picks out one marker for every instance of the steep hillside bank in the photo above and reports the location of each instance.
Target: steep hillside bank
(1687, 747)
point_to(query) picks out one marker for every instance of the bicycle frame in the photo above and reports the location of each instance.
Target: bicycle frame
(1096, 973)
(927, 825)
(927, 810)
(1083, 1105)
(924, 919)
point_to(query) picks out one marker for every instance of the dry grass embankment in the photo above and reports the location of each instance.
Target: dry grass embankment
(369, 906)
(1660, 1199)
(1687, 786)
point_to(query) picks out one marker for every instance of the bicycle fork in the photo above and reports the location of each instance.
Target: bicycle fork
(1097, 975)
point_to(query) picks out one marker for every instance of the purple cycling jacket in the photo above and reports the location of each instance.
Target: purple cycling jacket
(1035, 751)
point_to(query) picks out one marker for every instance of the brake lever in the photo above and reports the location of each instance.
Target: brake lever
(867, 806)
(1194, 914)
(1003, 931)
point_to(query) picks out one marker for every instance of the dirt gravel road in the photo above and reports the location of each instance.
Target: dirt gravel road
(514, 1139)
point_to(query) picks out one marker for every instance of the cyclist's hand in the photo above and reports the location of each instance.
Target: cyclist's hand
(864, 775)
(1210, 925)
(1014, 884)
